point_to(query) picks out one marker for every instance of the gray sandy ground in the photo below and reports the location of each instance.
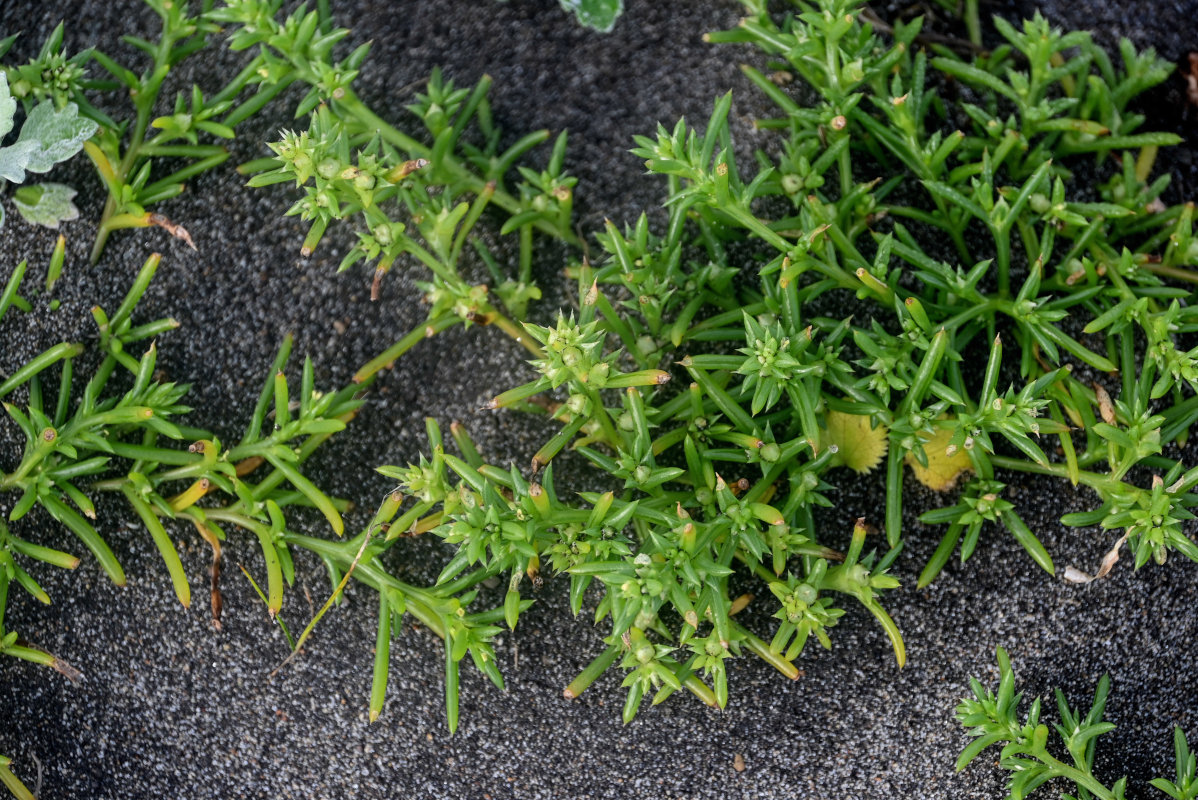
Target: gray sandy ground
(170, 708)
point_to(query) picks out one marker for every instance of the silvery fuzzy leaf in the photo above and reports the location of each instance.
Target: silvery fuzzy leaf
(46, 204)
(8, 106)
(14, 160)
(60, 134)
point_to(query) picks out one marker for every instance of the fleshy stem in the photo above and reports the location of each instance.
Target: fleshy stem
(12, 782)
(145, 97)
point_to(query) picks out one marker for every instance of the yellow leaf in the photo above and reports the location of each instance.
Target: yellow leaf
(859, 447)
(943, 470)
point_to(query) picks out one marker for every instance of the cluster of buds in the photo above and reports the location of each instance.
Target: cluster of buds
(1175, 365)
(1014, 415)
(1153, 518)
(424, 481)
(337, 182)
(650, 667)
(1055, 210)
(803, 612)
(50, 76)
(799, 179)
(573, 352)
(468, 303)
(984, 500)
(771, 360)
(887, 360)
(646, 587)
(312, 156)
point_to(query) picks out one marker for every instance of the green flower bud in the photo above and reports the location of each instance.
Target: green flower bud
(328, 168)
(571, 356)
(578, 403)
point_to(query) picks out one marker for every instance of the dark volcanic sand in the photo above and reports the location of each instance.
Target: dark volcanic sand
(170, 708)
